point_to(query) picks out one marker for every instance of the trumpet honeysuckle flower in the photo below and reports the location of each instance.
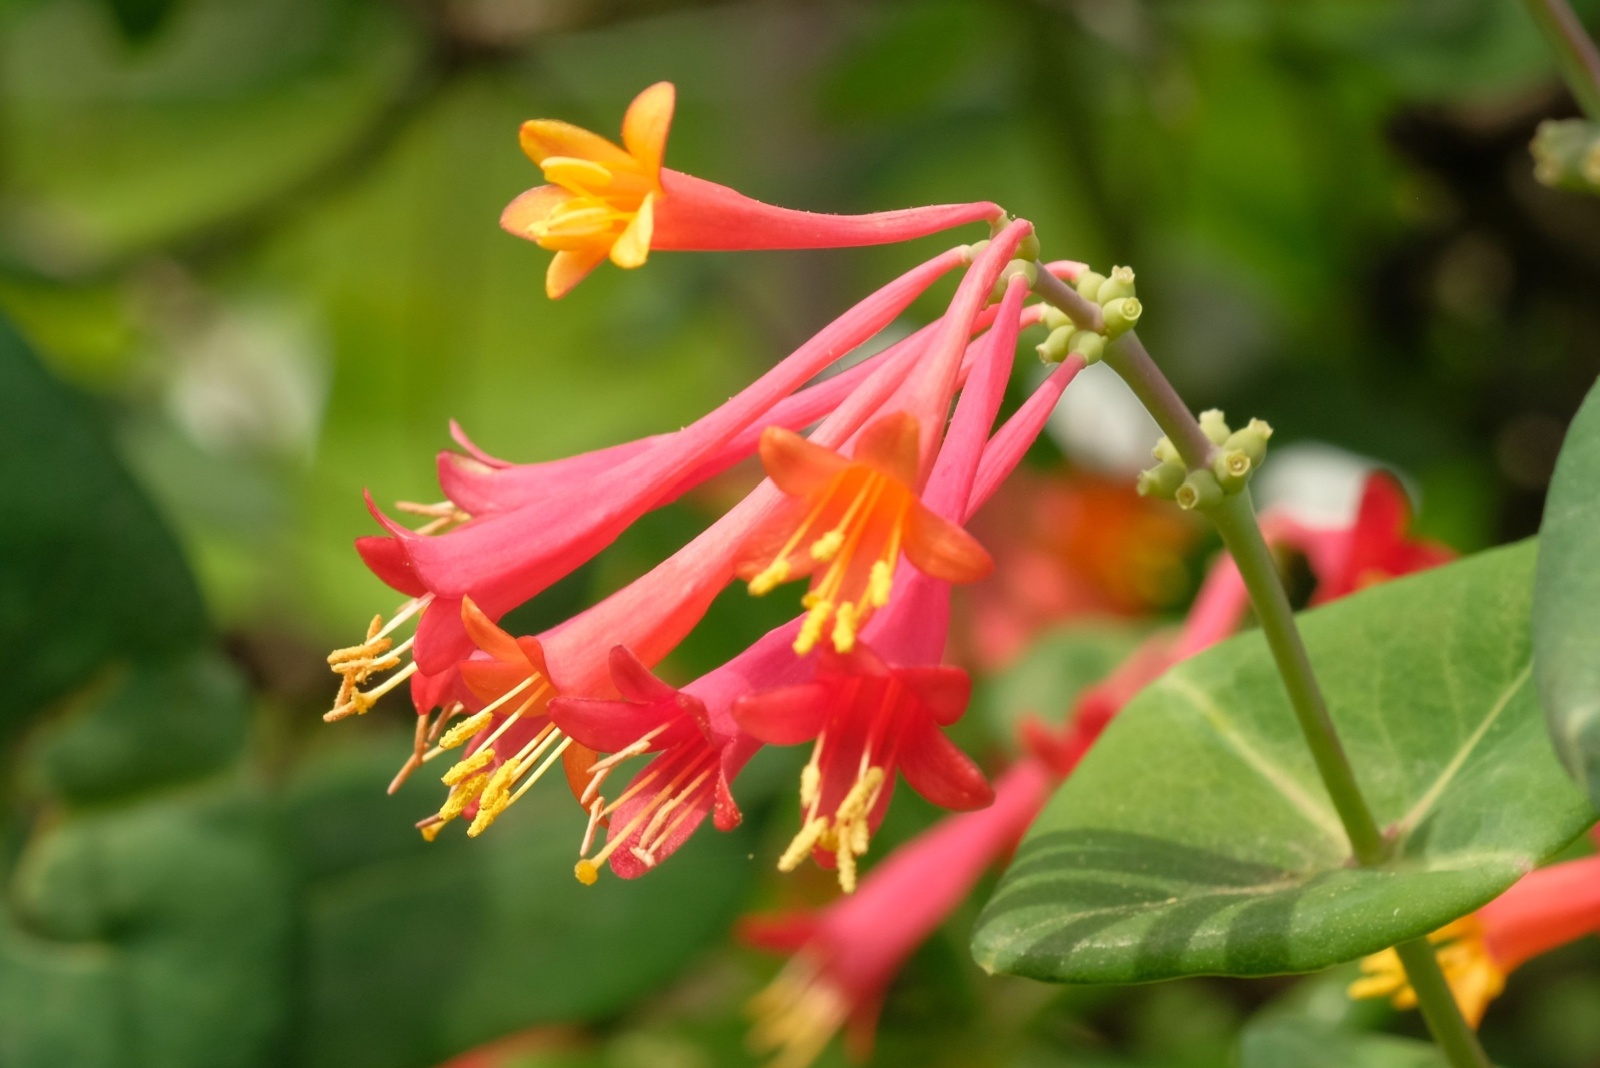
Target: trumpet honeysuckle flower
(1545, 910)
(852, 518)
(878, 708)
(503, 559)
(618, 201)
(510, 741)
(844, 955)
(700, 750)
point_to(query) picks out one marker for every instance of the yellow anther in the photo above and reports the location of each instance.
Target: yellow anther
(773, 576)
(844, 628)
(489, 810)
(569, 171)
(587, 872)
(467, 767)
(879, 583)
(827, 547)
(465, 729)
(860, 836)
(430, 831)
(462, 795)
(499, 783)
(847, 869)
(811, 629)
(810, 784)
(810, 832)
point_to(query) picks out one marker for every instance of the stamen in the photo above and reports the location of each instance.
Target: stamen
(466, 729)
(360, 702)
(633, 749)
(594, 823)
(803, 842)
(468, 766)
(419, 745)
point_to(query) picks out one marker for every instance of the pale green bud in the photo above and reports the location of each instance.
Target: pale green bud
(1167, 452)
(1029, 248)
(1120, 315)
(1088, 344)
(1027, 269)
(1199, 490)
(1161, 481)
(1120, 284)
(1054, 348)
(971, 252)
(1214, 426)
(1251, 440)
(1566, 154)
(1054, 317)
(1232, 468)
(1088, 284)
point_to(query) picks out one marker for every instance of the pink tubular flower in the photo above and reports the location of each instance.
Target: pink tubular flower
(648, 617)
(1545, 910)
(846, 954)
(618, 201)
(850, 519)
(879, 706)
(701, 749)
(504, 559)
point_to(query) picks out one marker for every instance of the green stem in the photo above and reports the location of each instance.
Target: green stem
(1575, 51)
(1236, 521)
(1450, 1029)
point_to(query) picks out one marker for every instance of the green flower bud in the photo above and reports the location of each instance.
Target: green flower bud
(1054, 348)
(1121, 314)
(1026, 268)
(1566, 155)
(1088, 344)
(1232, 468)
(1054, 317)
(1213, 426)
(1162, 481)
(1167, 452)
(1120, 284)
(972, 251)
(1251, 440)
(1029, 248)
(1199, 490)
(1088, 284)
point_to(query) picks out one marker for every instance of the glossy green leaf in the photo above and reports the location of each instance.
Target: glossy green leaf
(1197, 838)
(1566, 600)
(1289, 1042)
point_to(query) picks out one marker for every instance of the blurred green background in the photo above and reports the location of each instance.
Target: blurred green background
(249, 265)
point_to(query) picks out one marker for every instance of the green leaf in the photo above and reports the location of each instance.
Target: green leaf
(87, 569)
(417, 951)
(1566, 622)
(1197, 838)
(155, 722)
(1285, 1041)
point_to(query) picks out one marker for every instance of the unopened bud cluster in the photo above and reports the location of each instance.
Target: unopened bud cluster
(1119, 310)
(1235, 456)
(1566, 155)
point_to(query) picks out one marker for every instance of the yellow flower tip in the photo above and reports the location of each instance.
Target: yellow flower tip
(465, 729)
(430, 831)
(633, 247)
(587, 872)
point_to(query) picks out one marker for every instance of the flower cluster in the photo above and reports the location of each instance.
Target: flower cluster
(871, 475)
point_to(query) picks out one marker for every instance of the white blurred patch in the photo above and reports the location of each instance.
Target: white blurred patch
(1101, 425)
(251, 376)
(1315, 483)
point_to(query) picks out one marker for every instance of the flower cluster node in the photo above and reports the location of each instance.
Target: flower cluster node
(1566, 154)
(1234, 458)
